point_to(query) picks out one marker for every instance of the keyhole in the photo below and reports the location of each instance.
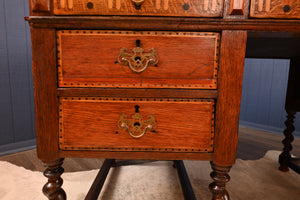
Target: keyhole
(137, 108)
(137, 124)
(138, 7)
(138, 59)
(138, 43)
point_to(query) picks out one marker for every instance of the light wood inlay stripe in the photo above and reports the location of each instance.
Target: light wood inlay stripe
(268, 5)
(62, 4)
(157, 4)
(118, 4)
(206, 2)
(214, 5)
(260, 5)
(70, 4)
(166, 4)
(110, 4)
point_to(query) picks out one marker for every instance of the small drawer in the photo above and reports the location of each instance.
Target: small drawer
(188, 8)
(156, 125)
(137, 59)
(275, 9)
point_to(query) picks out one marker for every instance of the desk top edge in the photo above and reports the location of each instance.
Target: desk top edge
(162, 23)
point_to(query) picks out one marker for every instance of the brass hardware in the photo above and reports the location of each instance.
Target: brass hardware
(137, 127)
(138, 61)
(137, 3)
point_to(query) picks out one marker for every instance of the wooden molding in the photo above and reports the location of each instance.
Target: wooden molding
(163, 23)
(40, 5)
(236, 7)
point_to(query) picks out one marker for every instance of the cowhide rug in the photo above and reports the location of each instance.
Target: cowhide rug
(250, 179)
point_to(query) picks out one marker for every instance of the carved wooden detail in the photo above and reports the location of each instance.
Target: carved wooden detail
(236, 7)
(220, 177)
(275, 9)
(201, 8)
(285, 156)
(52, 189)
(40, 5)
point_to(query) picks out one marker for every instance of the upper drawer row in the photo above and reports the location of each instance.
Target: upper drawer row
(199, 8)
(184, 8)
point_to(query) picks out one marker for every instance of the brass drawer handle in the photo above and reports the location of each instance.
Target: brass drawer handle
(137, 127)
(137, 3)
(138, 61)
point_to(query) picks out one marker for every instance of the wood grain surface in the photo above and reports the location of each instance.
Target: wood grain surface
(163, 23)
(199, 8)
(45, 84)
(233, 48)
(90, 59)
(183, 125)
(275, 9)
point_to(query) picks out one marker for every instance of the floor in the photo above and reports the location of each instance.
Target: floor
(253, 144)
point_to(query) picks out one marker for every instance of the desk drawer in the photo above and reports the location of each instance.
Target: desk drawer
(167, 125)
(199, 8)
(275, 9)
(137, 59)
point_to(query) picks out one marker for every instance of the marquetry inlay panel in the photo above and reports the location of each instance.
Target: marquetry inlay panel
(201, 8)
(275, 9)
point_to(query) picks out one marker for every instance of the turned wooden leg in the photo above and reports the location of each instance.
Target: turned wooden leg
(285, 156)
(52, 189)
(220, 177)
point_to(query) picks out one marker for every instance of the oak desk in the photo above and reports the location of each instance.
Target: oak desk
(150, 79)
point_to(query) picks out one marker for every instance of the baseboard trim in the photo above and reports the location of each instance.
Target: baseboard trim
(17, 147)
(266, 128)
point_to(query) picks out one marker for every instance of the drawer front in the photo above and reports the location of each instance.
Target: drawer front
(166, 125)
(199, 8)
(137, 59)
(275, 9)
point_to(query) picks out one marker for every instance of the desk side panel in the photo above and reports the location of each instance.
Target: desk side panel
(233, 48)
(45, 83)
